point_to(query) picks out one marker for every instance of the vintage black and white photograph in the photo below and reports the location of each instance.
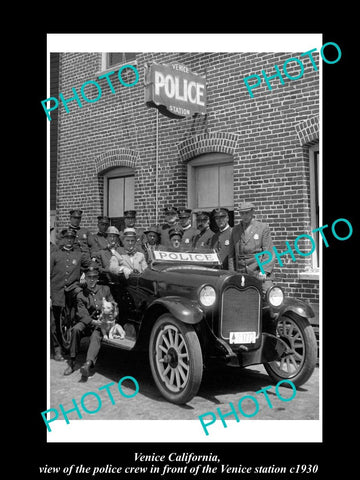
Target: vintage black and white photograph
(186, 235)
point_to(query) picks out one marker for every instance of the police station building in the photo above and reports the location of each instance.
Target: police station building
(186, 130)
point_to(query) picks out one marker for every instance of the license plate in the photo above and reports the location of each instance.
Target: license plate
(242, 337)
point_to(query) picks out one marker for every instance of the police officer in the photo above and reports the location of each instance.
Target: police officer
(66, 265)
(171, 221)
(203, 238)
(130, 221)
(221, 239)
(189, 231)
(99, 240)
(89, 302)
(103, 256)
(175, 236)
(249, 237)
(81, 234)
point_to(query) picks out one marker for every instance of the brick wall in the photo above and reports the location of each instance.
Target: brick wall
(267, 136)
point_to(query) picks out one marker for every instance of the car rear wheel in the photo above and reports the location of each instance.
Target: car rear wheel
(298, 362)
(175, 359)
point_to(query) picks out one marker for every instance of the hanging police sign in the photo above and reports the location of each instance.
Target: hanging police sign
(174, 90)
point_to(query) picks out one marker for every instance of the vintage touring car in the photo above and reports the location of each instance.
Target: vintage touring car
(189, 313)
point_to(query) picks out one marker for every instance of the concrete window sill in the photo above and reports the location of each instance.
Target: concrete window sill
(309, 275)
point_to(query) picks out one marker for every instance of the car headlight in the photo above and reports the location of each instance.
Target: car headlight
(207, 296)
(275, 296)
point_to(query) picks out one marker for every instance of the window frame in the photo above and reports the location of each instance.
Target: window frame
(117, 172)
(105, 67)
(315, 190)
(206, 159)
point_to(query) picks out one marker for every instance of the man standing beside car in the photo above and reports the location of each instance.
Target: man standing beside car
(171, 221)
(99, 240)
(66, 264)
(221, 240)
(203, 238)
(130, 221)
(81, 234)
(247, 238)
(189, 231)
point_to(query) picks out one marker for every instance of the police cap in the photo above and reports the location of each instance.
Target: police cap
(202, 215)
(175, 231)
(130, 213)
(103, 219)
(170, 210)
(184, 212)
(76, 213)
(220, 212)
(93, 270)
(153, 229)
(68, 232)
(246, 207)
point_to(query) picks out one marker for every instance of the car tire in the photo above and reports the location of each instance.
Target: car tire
(175, 359)
(299, 362)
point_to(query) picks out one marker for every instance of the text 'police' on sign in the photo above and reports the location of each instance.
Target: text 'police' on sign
(174, 90)
(185, 257)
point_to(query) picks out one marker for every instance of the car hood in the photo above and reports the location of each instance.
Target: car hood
(184, 278)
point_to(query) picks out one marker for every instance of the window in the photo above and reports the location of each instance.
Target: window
(120, 58)
(118, 194)
(210, 183)
(314, 199)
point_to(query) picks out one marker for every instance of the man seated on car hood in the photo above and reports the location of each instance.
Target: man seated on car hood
(129, 260)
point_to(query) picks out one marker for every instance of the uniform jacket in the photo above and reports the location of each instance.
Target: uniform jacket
(65, 271)
(103, 257)
(164, 233)
(81, 239)
(89, 303)
(244, 244)
(203, 239)
(97, 241)
(188, 236)
(221, 241)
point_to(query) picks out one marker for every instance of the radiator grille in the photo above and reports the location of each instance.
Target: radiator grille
(240, 311)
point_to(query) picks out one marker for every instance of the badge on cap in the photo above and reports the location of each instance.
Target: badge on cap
(187, 240)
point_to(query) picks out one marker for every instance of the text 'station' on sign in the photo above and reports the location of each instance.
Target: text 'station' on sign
(174, 90)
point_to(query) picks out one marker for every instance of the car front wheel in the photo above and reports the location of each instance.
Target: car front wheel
(175, 359)
(298, 362)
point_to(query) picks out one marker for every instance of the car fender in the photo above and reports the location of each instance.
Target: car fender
(185, 310)
(296, 306)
